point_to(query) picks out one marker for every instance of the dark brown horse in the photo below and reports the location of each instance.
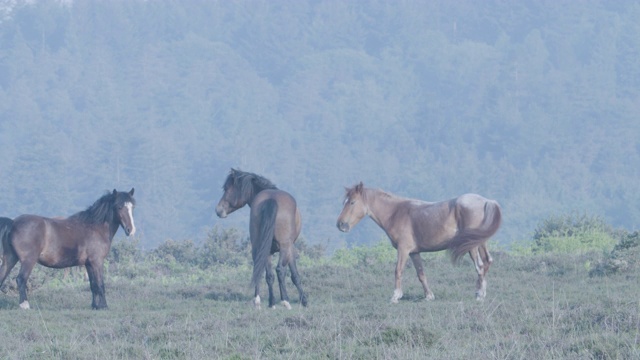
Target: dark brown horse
(461, 225)
(81, 239)
(274, 226)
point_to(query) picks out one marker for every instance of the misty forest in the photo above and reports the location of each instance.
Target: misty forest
(534, 104)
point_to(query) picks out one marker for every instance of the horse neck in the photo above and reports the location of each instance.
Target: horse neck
(381, 206)
(113, 228)
(254, 192)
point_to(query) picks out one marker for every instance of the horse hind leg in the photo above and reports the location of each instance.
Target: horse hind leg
(486, 257)
(481, 283)
(295, 278)
(281, 271)
(270, 280)
(9, 260)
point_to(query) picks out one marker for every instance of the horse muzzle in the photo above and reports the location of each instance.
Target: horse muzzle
(222, 213)
(343, 226)
(129, 231)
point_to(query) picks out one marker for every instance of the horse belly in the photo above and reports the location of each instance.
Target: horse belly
(435, 236)
(60, 258)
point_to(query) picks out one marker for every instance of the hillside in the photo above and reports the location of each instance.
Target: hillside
(532, 104)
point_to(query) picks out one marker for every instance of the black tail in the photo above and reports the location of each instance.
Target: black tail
(467, 239)
(266, 230)
(5, 229)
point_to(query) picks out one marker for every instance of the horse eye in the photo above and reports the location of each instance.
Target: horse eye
(352, 202)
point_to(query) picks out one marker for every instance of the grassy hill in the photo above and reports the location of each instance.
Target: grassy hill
(539, 305)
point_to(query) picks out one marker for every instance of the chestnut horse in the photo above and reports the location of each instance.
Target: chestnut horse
(461, 225)
(81, 239)
(274, 226)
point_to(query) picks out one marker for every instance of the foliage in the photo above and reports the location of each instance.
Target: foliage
(535, 106)
(573, 233)
(624, 258)
(364, 255)
(222, 247)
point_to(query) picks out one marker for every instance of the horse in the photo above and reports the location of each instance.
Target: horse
(274, 226)
(81, 239)
(461, 225)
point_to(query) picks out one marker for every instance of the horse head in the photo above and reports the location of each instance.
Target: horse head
(124, 204)
(354, 209)
(231, 199)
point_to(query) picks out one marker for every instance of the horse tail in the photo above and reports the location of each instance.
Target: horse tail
(266, 230)
(6, 225)
(467, 239)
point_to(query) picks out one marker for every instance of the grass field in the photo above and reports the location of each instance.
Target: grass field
(537, 307)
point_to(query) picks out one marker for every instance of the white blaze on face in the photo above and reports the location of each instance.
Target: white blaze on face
(129, 207)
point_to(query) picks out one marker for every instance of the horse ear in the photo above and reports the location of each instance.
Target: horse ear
(114, 191)
(359, 187)
(131, 192)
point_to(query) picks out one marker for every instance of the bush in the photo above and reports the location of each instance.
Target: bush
(381, 252)
(225, 247)
(183, 252)
(313, 252)
(624, 257)
(574, 234)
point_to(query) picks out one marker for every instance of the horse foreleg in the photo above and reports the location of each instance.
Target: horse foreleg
(23, 276)
(96, 282)
(417, 263)
(481, 284)
(400, 264)
(295, 277)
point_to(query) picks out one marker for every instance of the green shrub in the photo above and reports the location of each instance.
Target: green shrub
(574, 233)
(184, 252)
(313, 252)
(624, 257)
(381, 252)
(225, 247)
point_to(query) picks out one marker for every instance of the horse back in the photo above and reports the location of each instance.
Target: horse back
(288, 219)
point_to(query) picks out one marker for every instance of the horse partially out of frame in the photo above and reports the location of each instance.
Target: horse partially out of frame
(81, 239)
(274, 226)
(461, 225)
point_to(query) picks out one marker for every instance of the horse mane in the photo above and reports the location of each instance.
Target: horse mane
(102, 209)
(247, 184)
(360, 189)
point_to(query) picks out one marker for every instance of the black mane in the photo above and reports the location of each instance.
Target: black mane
(102, 210)
(247, 184)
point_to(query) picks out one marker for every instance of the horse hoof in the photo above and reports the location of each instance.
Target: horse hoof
(25, 305)
(286, 304)
(397, 295)
(430, 297)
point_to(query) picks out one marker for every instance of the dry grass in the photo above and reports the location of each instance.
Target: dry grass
(544, 307)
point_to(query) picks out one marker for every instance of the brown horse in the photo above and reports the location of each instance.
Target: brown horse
(274, 225)
(461, 225)
(81, 239)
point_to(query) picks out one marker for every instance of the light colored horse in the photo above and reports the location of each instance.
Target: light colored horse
(461, 225)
